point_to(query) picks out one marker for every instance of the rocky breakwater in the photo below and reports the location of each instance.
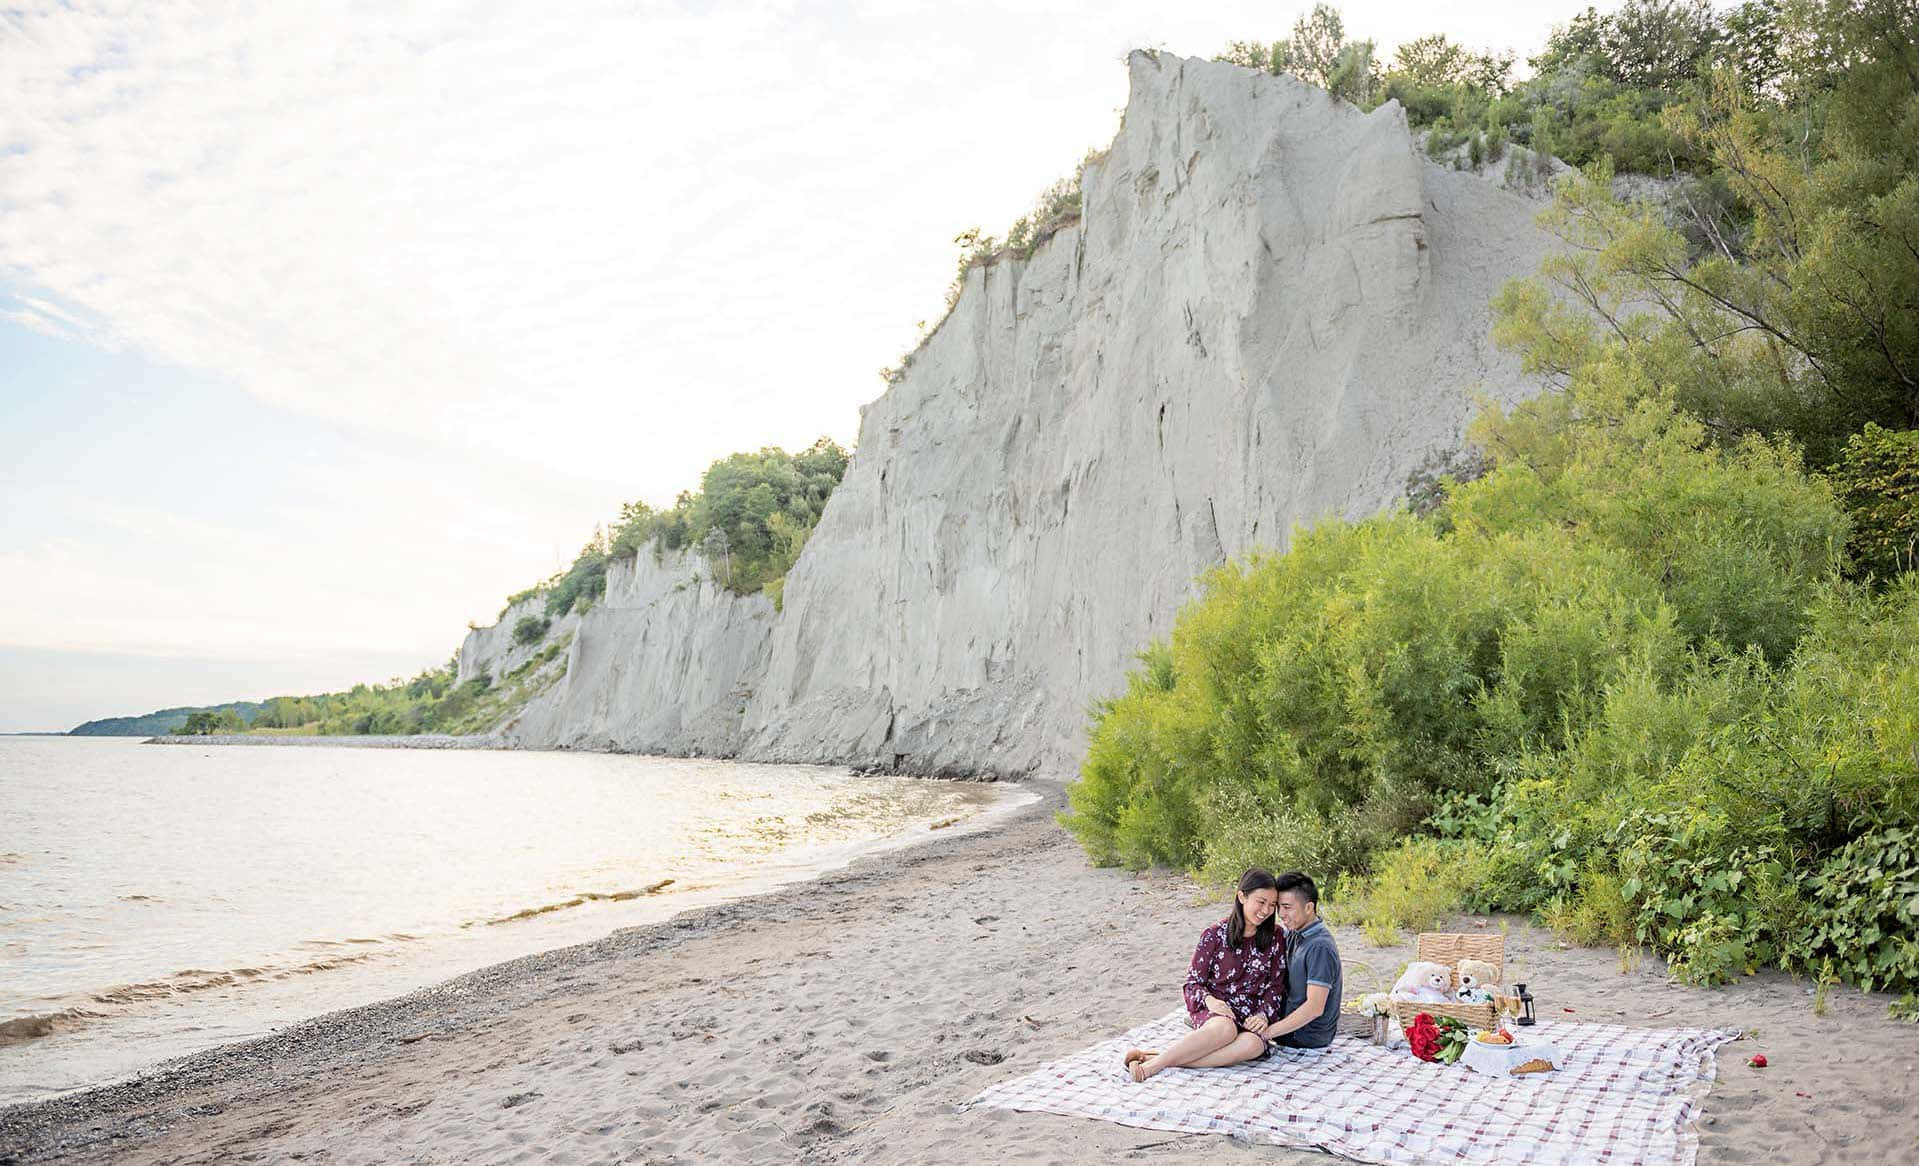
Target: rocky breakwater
(1273, 309)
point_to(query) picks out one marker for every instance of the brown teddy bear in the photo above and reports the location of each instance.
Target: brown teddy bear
(1478, 981)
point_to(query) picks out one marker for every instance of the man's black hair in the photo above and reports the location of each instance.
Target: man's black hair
(1293, 880)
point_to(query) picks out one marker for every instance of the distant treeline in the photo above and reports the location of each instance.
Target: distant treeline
(427, 703)
(164, 721)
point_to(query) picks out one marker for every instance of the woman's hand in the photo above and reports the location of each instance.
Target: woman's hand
(1219, 1007)
(1256, 1024)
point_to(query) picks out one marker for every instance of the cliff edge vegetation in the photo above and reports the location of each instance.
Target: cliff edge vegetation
(1653, 676)
(748, 520)
(1598, 88)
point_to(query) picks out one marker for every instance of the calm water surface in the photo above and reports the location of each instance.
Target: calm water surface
(158, 900)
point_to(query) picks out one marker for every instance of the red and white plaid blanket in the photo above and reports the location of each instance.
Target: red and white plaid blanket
(1622, 1095)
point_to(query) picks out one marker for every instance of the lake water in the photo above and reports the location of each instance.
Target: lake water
(158, 900)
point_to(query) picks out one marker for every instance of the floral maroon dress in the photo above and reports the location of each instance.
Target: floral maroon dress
(1251, 981)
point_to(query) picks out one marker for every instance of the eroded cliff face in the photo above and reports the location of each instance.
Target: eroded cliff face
(1272, 311)
(663, 663)
(494, 653)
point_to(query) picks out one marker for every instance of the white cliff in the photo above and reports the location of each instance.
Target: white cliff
(1273, 310)
(494, 652)
(662, 663)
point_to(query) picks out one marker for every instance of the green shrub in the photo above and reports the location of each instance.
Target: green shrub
(1418, 885)
(531, 629)
(1252, 54)
(1877, 478)
(584, 580)
(1379, 668)
(1864, 913)
(1596, 915)
(1716, 903)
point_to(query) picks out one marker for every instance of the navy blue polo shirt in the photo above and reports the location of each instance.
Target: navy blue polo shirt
(1313, 958)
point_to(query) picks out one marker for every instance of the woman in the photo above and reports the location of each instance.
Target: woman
(1233, 989)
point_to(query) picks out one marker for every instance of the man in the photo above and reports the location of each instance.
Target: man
(1310, 1015)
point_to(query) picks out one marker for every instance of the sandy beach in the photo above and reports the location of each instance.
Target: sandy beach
(845, 1020)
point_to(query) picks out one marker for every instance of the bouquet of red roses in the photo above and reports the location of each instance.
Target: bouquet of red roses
(1441, 1040)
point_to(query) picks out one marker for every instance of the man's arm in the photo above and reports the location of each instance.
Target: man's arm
(1313, 1008)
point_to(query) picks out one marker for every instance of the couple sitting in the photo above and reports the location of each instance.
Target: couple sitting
(1248, 988)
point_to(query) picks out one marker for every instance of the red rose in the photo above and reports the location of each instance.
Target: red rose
(1423, 1036)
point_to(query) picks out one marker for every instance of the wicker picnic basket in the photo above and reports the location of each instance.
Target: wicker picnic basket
(1443, 947)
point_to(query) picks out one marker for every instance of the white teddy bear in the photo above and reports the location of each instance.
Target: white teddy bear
(1424, 982)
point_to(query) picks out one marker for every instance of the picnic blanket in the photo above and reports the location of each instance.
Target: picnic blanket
(1622, 1095)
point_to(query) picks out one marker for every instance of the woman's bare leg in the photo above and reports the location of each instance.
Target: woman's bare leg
(1245, 1047)
(1207, 1039)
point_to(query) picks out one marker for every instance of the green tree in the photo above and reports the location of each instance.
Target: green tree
(1659, 44)
(1315, 44)
(1748, 43)
(1798, 319)
(211, 722)
(1352, 78)
(1430, 60)
(750, 516)
(1252, 54)
(1877, 478)
(1578, 46)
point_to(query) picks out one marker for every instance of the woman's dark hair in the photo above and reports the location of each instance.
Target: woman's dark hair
(1254, 879)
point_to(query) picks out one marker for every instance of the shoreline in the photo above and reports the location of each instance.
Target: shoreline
(482, 741)
(304, 740)
(847, 1017)
(82, 1051)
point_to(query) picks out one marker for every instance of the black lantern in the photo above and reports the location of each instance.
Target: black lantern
(1526, 1016)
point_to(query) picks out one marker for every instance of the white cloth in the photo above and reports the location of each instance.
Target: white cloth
(1620, 1095)
(1501, 1060)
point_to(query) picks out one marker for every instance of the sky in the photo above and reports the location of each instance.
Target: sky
(323, 328)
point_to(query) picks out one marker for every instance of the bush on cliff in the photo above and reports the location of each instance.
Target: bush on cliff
(749, 519)
(1598, 90)
(751, 516)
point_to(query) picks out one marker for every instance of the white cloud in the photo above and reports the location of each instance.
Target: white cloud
(36, 321)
